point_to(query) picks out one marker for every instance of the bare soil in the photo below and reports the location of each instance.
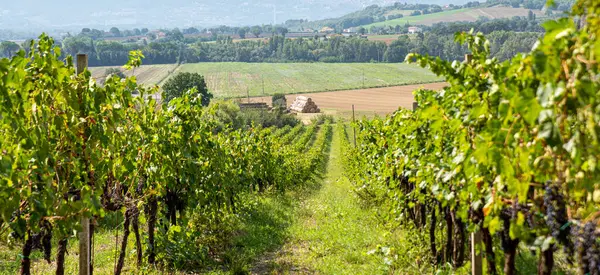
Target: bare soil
(377, 100)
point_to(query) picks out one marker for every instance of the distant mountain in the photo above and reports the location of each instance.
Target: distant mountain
(42, 15)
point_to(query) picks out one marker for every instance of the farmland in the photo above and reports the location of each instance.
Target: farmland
(468, 14)
(147, 74)
(240, 79)
(226, 80)
(387, 38)
(366, 101)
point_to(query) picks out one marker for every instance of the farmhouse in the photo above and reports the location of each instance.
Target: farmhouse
(413, 30)
(351, 30)
(327, 30)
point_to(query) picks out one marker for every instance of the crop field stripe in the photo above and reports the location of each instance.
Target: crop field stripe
(230, 80)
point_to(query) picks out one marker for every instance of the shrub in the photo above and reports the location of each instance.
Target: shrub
(115, 72)
(267, 119)
(227, 114)
(279, 101)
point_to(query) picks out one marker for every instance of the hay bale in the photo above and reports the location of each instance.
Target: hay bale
(304, 104)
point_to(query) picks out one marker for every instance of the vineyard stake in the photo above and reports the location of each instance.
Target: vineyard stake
(476, 261)
(84, 237)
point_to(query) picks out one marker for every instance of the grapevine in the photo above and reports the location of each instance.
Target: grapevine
(73, 148)
(509, 149)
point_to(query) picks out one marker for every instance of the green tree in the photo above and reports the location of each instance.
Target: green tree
(256, 31)
(144, 30)
(128, 33)
(8, 48)
(242, 33)
(183, 82)
(362, 31)
(278, 101)
(94, 33)
(283, 31)
(115, 31)
(191, 30)
(78, 44)
(176, 34)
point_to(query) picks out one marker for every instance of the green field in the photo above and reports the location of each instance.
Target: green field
(417, 20)
(239, 79)
(467, 14)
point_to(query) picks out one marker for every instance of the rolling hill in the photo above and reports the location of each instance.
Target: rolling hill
(467, 14)
(35, 15)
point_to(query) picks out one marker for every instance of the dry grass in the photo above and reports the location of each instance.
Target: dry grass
(146, 74)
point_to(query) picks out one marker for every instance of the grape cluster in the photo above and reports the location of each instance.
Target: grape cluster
(556, 214)
(587, 248)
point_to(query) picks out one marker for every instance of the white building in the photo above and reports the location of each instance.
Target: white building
(413, 30)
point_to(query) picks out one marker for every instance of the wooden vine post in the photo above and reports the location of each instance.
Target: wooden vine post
(476, 261)
(85, 267)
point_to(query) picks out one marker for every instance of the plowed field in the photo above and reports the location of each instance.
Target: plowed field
(376, 100)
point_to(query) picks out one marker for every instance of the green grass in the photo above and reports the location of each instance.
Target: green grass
(403, 12)
(383, 36)
(333, 232)
(467, 14)
(418, 19)
(239, 79)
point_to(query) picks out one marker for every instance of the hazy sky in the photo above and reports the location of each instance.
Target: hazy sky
(45, 15)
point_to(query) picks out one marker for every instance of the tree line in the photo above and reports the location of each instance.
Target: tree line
(504, 45)
(507, 36)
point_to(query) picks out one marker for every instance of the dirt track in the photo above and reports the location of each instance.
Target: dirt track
(379, 100)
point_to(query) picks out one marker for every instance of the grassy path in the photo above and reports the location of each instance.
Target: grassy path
(318, 229)
(331, 233)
